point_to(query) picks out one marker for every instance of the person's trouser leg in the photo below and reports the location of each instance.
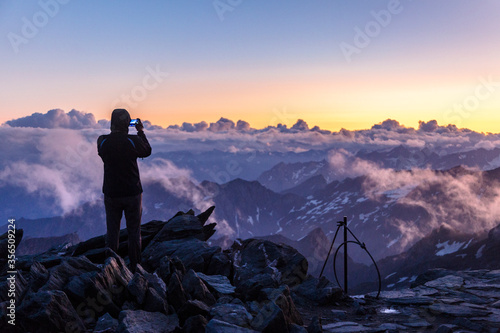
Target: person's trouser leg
(114, 211)
(133, 214)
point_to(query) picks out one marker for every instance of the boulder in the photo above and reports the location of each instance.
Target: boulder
(154, 302)
(254, 256)
(139, 321)
(317, 291)
(185, 225)
(176, 294)
(232, 313)
(270, 319)
(249, 289)
(281, 297)
(194, 253)
(138, 287)
(38, 276)
(106, 324)
(196, 288)
(218, 284)
(195, 324)
(192, 308)
(220, 264)
(48, 311)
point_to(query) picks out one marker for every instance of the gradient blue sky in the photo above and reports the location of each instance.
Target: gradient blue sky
(266, 62)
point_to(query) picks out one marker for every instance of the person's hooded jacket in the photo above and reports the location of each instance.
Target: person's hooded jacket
(119, 152)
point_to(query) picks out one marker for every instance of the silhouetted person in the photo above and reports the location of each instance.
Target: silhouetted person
(122, 184)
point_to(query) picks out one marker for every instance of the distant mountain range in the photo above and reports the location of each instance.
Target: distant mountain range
(415, 209)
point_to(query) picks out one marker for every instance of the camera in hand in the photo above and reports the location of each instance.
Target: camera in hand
(134, 122)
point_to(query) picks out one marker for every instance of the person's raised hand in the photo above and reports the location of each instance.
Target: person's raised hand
(139, 126)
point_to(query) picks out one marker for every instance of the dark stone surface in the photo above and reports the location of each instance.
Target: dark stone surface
(315, 326)
(196, 288)
(138, 287)
(218, 284)
(254, 256)
(232, 313)
(106, 324)
(139, 321)
(318, 291)
(48, 311)
(195, 324)
(218, 326)
(270, 319)
(154, 302)
(192, 308)
(176, 295)
(194, 253)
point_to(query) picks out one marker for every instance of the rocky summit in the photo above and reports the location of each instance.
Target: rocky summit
(186, 285)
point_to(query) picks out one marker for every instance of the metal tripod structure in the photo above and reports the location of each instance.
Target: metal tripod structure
(343, 224)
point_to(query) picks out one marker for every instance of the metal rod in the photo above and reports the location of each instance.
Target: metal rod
(345, 254)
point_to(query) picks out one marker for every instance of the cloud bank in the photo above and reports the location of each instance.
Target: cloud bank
(55, 155)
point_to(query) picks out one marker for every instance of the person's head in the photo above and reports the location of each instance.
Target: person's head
(120, 120)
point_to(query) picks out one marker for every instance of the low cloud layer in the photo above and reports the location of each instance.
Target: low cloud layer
(455, 201)
(55, 155)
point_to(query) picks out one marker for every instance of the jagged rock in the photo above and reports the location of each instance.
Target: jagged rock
(250, 289)
(195, 324)
(106, 324)
(138, 287)
(95, 293)
(38, 276)
(218, 284)
(197, 289)
(194, 253)
(176, 295)
(270, 319)
(319, 291)
(69, 268)
(96, 246)
(218, 326)
(232, 313)
(192, 308)
(142, 321)
(154, 281)
(220, 264)
(49, 311)
(281, 297)
(284, 263)
(184, 226)
(154, 302)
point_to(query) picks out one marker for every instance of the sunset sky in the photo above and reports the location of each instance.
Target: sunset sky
(336, 64)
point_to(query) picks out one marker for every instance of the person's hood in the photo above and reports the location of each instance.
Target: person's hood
(120, 120)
